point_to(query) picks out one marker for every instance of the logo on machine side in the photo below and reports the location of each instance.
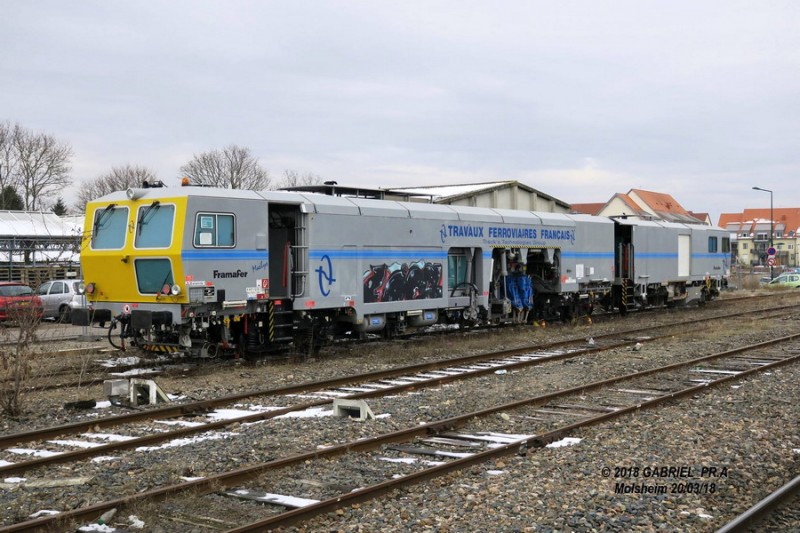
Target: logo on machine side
(236, 274)
(325, 272)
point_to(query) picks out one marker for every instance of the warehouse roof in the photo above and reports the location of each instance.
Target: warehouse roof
(449, 193)
(38, 224)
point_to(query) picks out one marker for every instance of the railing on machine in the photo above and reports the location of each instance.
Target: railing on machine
(300, 257)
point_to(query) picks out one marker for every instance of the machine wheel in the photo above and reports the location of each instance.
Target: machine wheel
(65, 314)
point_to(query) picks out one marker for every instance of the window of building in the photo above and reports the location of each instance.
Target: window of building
(214, 230)
(744, 246)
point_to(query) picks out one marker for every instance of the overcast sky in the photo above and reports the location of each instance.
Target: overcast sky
(579, 99)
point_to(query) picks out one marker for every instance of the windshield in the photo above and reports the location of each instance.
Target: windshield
(15, 290)
(153, 274)
(109, 228)
(154, 226)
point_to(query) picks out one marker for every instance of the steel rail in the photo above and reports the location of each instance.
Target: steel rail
(761, 510)
(76, 455)
(232, 478)
(361, 495)
(205, 405)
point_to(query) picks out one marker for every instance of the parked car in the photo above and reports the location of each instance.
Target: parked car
(60, 297)
(16, 298)
(786, 279)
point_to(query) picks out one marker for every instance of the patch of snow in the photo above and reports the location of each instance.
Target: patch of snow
(177, 443)
(566, 441)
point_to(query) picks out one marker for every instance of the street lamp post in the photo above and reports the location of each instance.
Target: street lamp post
(771, 226)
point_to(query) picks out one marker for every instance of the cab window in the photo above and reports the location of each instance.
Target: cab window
(214, 230)
(153, 274)
(108, 231)
(154, 225)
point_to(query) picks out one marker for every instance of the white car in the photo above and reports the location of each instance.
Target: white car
(59, 298)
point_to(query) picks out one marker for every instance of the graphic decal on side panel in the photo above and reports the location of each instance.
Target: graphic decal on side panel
(325, 272)
(397, 282)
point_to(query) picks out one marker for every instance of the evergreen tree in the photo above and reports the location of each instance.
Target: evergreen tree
(59, 208)
(10, 199)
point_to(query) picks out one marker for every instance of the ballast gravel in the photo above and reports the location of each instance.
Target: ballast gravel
(691, 465)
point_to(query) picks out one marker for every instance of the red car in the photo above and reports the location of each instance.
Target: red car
(17, 299)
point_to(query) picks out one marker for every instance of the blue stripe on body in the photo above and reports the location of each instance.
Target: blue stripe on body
(378, 254)
(588, 255)
(223, 255)
(655, 255)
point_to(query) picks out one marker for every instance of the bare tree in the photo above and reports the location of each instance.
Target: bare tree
(233, 167)
(8, 159)
(15, 362)
(118, 179)
(292, 178)
(43, 166)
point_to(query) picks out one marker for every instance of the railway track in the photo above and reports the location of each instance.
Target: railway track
(118, 364)
(489, 369)
(756, 515)
(551, 416)
(363, 386)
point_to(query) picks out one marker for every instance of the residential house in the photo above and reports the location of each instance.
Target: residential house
(643, 204)
(753, 231)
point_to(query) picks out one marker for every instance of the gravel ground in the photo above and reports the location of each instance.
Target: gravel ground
(565, 489)
(749, 428)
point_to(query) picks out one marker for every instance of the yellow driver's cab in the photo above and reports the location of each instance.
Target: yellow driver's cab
(131, 251)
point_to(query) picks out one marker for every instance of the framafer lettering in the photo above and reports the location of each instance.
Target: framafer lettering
(234, 274)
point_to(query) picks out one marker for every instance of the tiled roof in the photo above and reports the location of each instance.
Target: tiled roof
(588, 209)
(660, 202)
(664, 206)
(702, 217)
(637, 210)
(787, 219)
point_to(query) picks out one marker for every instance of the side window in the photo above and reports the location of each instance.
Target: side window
(712, 245)
(44, 288)
(214, 230)
(726, 244)
(58, 288)
(456, 270)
